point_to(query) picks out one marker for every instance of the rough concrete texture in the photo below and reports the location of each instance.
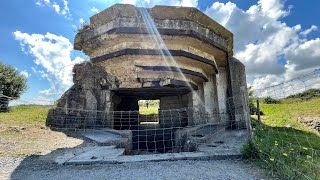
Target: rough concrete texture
(91, 91)
(101, 137)
(97, 154)
(110, 137)
(239, 94)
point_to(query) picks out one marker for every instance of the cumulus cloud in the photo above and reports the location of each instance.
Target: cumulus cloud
(52, 56)
(61, 9)
(304, 55)
(272, 51)
(25, 74)
(151, 3)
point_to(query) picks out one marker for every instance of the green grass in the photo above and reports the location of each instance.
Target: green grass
(25, 115)
(282, 144)
(148, 111)
(153, 107)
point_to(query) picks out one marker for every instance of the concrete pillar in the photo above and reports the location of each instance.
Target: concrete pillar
(222, 87)
(198, 105)
(211, 98)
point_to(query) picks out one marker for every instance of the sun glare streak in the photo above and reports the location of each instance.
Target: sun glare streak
(165, 53)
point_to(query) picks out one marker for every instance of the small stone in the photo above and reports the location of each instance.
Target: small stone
(94, 157)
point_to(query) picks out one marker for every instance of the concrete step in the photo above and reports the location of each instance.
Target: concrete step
(98, 154)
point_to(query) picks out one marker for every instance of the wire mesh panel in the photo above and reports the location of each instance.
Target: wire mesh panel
(173, 130)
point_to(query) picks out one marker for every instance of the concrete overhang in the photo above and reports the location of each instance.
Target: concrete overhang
(181, 21)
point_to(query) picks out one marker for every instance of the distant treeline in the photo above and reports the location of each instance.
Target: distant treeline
(308, 94)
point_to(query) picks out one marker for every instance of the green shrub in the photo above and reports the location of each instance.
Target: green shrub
(250, 151)
(270, 100)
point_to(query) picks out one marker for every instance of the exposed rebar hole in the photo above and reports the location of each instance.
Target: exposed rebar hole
(197, 135)
(219, 142)
(211, 145)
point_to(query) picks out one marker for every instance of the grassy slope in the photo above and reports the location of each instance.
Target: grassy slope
(23, 132)
(283, 144)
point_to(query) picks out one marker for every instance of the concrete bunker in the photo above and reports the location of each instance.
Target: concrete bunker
(177, 55)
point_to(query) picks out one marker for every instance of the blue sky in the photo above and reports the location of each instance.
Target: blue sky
(275, 39)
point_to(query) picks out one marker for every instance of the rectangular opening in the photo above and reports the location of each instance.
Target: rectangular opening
(149, 111)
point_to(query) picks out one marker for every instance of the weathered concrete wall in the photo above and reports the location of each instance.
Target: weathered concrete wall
(171, 114)
(90, 92)
(191, 19)
(239, 94)
(91, 89)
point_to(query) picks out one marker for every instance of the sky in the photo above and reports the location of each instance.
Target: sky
(277, 40)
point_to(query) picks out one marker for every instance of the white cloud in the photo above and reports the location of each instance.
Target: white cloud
(65, 11)
(56, 7)
(40, 100)
(81, 20)
(304, 55)
(308, 31)
(151, 3)
(25, 74)
(95, 10)
(51, 53)
(43, 2)
(61, 9)
(271, 50)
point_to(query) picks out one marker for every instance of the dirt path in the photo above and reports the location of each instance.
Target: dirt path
(34, 168)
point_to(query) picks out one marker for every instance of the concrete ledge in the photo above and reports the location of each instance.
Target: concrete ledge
(155, 52)
(156, 157)
(174, 69)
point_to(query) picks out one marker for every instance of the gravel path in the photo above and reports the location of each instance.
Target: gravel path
(33, 168)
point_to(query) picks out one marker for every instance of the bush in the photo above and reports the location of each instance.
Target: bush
(270, 100)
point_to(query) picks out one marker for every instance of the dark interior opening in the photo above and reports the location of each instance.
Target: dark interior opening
(153, 137)
(126, 114)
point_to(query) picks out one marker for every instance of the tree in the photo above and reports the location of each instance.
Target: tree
(12, 83)
(252, 107)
